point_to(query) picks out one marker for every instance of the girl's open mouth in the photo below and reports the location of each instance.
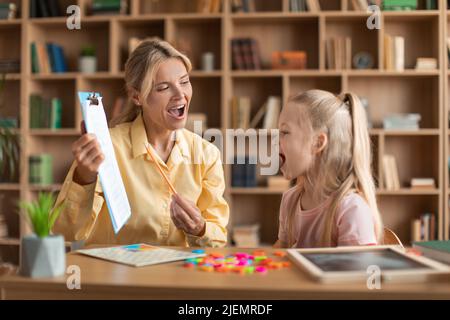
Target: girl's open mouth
(178, 112)
(282, 159)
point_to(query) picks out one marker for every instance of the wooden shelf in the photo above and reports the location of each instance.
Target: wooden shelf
(9, 242)
(9, 186)
(55, 132)
(407, 192)
(51, 187)
(256, 191)
(421, 132)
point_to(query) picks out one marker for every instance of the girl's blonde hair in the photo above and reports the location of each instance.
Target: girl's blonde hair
(140, 72)
(344, 165)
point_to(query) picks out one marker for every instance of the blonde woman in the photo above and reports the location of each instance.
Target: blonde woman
(157, 80)
(324, 144)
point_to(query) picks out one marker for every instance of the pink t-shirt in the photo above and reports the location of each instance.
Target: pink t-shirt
(354, 224)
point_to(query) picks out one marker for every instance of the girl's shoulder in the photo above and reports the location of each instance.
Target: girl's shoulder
(291, 195)
(353, 204)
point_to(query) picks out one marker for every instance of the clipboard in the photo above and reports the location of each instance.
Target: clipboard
(110, 179)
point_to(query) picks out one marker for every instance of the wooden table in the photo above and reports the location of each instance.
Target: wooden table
(106, 280)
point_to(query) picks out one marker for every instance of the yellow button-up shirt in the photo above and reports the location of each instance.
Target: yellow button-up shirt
(195, 169)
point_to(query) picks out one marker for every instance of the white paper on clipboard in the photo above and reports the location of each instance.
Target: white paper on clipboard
(110, 178)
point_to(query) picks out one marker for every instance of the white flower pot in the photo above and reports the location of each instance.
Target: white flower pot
(88, 64)
(42, 257)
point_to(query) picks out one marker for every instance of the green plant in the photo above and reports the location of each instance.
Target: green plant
(9, 155)
(88, 51)
(41, 213)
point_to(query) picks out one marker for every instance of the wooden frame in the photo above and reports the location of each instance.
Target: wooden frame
(431, 267)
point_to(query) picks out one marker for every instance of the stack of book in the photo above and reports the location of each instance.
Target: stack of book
(423, 183)
(45, 113)
(407, 121)
(47, 58)
(246, 236)
(41, 169)
(9, 122)
(394, 53)
(339, 53)
(8, 10)
(243, 172)
(245, 54)
(424, 228)
(209, 6)
(360, 5)
(106, 7)
(268, 113)
(9, 66)
(241, 109)
(304, 5)
(426, 64)
(390, 173)
(436, 250)
(45, 9)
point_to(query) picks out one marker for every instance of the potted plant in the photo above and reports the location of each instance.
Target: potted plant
(88, 60)
(42, 254)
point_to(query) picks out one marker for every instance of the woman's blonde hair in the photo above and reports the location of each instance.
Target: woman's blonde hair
(140, 72)
(345, 164)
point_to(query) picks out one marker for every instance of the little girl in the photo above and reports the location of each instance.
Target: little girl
(325, 146)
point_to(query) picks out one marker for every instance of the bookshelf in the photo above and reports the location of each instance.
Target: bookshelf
(419, 153)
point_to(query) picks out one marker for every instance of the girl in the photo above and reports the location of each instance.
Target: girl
(325, 145)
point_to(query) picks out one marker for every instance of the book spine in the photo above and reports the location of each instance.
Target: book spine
(46, 170)
(51, 56)
(250, 173)
(34, 59)
(238, 59)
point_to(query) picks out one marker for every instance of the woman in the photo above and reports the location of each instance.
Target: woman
(159, 91)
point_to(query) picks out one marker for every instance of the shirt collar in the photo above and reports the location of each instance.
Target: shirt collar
(139, 138)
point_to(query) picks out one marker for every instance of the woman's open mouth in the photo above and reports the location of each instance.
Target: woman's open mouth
(178, 112)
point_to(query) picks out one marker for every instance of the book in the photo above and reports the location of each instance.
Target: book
(394, 53)
(245, 54)
(399, 53)
(423, 183)
(423, 228)
(45, 113)
(41, 169)
(436, 250)
(47, 58)
(390, 173)
(56, 113)
(339, 53)
(273, 109)
(426, 64)
(241, 110)
(243, 172)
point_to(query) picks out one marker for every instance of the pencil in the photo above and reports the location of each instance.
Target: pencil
(160, 169)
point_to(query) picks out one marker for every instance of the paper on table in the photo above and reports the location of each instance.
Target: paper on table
(110, 178)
